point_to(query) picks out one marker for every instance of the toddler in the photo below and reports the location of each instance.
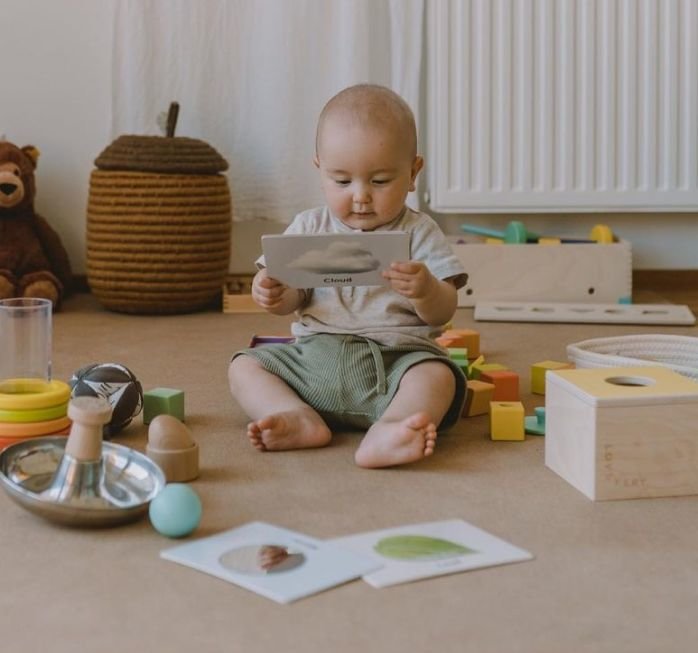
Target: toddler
(364, 357)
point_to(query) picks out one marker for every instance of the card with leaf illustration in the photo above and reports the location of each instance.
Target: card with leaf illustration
(410, 553)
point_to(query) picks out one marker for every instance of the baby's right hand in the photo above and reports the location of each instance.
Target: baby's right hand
(267, 292)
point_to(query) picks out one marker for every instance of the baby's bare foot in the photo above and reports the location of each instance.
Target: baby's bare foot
(289, 430)
(396, 443)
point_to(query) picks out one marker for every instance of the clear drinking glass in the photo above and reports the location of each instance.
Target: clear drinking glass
(25, 342)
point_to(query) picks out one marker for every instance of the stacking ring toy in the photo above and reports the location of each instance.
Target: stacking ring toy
(34, 415)
(19, 430)
(23, 394)
(6, 442)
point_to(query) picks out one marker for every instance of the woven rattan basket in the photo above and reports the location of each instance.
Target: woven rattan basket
(158, 225)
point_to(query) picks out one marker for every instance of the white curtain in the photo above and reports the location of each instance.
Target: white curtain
(251, 77)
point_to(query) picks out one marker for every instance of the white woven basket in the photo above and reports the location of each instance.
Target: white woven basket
(680, 353)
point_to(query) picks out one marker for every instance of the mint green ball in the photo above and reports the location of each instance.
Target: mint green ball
(175, 511)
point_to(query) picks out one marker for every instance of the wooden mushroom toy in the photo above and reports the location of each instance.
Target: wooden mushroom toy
(171, 446)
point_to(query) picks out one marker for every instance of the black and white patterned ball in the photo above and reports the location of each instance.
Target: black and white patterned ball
(117, 384)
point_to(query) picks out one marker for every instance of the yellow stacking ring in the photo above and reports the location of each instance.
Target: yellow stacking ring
(34, 415)
(602, 233)
(20, 430)
(27, 394)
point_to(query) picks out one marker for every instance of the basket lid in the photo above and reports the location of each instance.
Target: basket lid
(169, 154)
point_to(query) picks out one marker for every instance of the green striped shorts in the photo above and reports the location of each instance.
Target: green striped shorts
(348, 379)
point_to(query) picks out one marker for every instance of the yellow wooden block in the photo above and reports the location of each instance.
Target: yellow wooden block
(549, 241)
(507, 420)
(493, 241)
(478, 398)
(538, 371)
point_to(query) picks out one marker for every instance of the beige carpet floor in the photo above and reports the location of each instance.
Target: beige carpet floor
(607, 577)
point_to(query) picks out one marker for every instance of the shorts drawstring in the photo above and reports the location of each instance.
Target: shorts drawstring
(379, 368)
(381, 384)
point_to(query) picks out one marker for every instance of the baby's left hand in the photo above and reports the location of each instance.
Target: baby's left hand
(410, 279)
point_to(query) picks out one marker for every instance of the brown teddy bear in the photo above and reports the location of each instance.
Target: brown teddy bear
(33, 261)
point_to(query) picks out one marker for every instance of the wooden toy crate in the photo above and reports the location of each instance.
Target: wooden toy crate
(592, 273)
(237, 297)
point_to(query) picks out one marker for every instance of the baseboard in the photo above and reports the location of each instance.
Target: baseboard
(642, 279)
(665, 279)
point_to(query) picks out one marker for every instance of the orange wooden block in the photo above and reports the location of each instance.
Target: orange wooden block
(478, 398)
(467, 338)
(448, 342)
(506, 384)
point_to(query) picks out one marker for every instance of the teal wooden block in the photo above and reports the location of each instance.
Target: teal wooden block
(163, 401)
(535, 424)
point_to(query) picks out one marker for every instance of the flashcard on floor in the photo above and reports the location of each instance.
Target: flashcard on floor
(410, 553)
(347, 259)
(279, 564)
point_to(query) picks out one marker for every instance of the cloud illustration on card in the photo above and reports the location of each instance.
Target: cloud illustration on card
(337, 258)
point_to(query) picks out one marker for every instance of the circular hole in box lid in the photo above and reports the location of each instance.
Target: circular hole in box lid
(632, 381)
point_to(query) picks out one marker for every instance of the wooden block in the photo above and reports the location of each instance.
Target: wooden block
(163, 401)
(535, 424)
(458, 355)
(538, 371)
(478, 368)
(467, 338)
(507, 420)
(478, 398)
(447, 342)
(622, 433)
(506, 384)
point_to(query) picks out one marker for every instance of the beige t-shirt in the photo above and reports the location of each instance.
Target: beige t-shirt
(375, 312)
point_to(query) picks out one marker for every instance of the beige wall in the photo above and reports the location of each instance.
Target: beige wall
(57, 90)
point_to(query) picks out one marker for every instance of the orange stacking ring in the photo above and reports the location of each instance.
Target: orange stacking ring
(24, 394)
(31, 429)
(6, 442)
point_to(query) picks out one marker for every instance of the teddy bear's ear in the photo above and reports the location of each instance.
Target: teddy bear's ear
(32, 152)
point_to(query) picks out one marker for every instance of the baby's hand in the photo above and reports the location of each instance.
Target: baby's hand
(410, 279)
(267, 292)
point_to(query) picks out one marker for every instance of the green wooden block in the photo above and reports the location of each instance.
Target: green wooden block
(458, 353)
(163, 401)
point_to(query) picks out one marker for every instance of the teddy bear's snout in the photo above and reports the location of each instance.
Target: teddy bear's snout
(8, 189)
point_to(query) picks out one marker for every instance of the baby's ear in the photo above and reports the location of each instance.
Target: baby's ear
(417, 165)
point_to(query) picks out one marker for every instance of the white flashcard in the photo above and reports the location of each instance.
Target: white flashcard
(410, 553)
(351, 259)
(280, 564)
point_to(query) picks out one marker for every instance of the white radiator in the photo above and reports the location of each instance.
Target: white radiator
(562, 105)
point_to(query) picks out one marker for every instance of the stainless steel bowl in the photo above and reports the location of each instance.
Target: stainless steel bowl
(116, 489)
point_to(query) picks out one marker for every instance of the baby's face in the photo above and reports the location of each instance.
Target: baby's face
(366, 173)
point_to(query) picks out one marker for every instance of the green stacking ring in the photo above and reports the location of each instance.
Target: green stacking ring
(27, 394)
(34, 414)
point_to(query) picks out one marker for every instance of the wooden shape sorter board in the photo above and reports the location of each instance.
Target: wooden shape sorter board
(584, 313)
